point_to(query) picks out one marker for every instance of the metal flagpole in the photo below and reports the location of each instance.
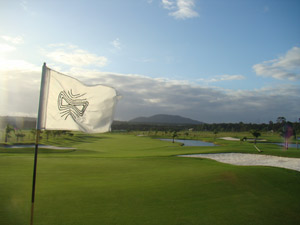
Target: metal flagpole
(38, 131)
(34, 174)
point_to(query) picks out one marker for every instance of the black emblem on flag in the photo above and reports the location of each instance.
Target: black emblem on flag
(70, 104)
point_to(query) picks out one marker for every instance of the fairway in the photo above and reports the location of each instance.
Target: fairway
(125, 179)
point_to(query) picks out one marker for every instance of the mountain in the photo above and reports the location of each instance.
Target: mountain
(164, 119)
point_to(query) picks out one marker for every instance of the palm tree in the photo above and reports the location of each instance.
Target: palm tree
(19, 135)
(281, 119)
(8, 129)
(256, 134)
(174, 135)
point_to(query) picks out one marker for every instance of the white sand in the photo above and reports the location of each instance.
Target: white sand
(252, 160)
(237, 139)
(230, 139)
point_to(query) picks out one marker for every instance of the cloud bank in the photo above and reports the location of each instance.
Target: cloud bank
(145, 96)
(284, 67)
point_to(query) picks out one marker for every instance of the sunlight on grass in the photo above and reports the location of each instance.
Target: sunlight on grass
(127, 179)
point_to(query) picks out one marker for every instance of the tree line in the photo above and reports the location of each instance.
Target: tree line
(12, 134)
(277, 126)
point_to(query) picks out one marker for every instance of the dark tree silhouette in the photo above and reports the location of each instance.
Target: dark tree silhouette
(8, 129)
(256, 134)
(281, 119)
(19, 135)
(174, 135)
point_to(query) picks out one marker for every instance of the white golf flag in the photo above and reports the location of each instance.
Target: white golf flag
(67, 104)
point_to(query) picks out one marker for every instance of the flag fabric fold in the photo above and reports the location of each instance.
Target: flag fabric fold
(68, 104)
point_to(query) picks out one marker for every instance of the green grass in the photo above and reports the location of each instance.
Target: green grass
(124, 179)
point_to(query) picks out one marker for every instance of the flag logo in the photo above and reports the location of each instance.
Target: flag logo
(70, 104)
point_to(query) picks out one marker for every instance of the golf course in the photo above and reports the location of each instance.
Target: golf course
(128, 179)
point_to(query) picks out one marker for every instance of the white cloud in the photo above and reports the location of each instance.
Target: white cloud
(224, 77)
(19, 87)
(116, 44)
(62, 45)
(17, 65)
(146, 96)
(4, 48)
(153, 100)
(285, 67)
(9, 46)
(185, 9)
(168, 4)
(13, 40)
(181, 9)
(73, 56)
(7, 64)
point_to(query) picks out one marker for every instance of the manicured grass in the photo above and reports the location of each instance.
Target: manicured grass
(124, 179)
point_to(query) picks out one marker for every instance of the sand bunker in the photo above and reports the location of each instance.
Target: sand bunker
(230, 139)
(237, 139)
(252, 160)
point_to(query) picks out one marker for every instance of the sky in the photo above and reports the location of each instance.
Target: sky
(209, 60)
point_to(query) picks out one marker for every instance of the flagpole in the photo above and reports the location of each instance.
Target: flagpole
(34, 174)
(38, 131)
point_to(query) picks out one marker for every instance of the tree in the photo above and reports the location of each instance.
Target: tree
(57, 133)
(174, 135)
(48, 132)
(19, 135)
(8, 129)
(215, 133)
(287, 132)
(270, 126)
(296, 138)
(33, 132)
(256, 134)
(281, 119)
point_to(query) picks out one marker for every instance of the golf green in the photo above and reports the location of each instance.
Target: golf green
(123, 179)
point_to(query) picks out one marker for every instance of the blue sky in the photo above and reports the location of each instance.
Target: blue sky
(214, 61)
